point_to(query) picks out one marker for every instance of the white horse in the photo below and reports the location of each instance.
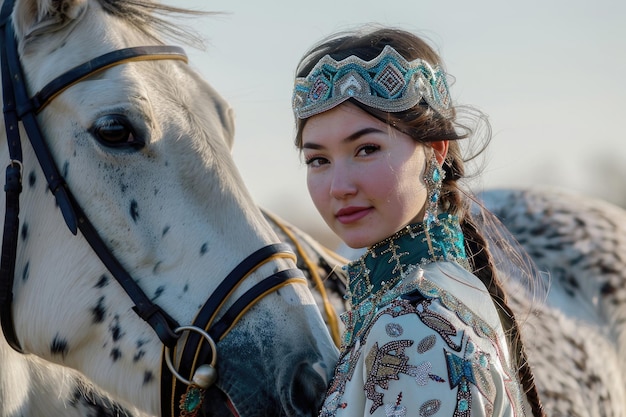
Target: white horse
(144, 151)
(575, 334)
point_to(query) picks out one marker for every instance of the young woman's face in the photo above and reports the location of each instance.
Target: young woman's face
(365, 178)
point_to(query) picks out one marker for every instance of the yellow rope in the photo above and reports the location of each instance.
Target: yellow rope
(335, 256)
(331, 314)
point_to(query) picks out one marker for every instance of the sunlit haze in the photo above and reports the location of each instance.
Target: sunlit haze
(549, 75)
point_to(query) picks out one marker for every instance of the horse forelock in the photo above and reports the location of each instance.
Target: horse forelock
(144, 15)
(149, 17)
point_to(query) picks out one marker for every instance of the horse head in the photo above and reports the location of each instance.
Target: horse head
(139, 150)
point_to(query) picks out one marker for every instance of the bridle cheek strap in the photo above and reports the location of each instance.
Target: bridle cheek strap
(18, 106)
(12, 188)
(195, 350)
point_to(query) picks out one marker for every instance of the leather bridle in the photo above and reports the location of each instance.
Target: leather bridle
(199, 346)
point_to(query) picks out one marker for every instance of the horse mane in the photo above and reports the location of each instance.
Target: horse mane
(155, 19)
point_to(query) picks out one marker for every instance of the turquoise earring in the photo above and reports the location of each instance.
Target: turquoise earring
(433, 177)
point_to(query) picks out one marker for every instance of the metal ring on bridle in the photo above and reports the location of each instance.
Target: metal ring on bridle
(168, 359)
(18, 163)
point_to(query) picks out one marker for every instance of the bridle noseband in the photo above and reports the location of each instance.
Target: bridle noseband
(199, 347)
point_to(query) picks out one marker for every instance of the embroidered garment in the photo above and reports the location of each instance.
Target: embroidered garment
(422, 337)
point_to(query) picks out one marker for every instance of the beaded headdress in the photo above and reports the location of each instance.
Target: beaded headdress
(388, 82)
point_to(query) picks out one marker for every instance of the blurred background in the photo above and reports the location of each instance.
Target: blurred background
(550, 75)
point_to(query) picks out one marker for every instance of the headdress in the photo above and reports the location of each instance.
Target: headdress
(388, 82)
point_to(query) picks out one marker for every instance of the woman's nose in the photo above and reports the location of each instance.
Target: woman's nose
(342, 184)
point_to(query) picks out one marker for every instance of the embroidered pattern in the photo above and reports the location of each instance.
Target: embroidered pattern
(426, 344)
(395, 257)
(397, 272)
(343, 373)
(473, 369)
(380, 275)
(439, 324)
(430, 408)
(430, 290)
(383, 364)
(388, 82)
(395, 410)
(394, 330)
(422, 374)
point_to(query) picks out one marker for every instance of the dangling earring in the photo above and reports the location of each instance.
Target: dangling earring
(433, 177)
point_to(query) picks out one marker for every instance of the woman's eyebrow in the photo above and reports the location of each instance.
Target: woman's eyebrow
(350, 138)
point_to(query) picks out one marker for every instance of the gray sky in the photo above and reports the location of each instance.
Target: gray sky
(549, 73)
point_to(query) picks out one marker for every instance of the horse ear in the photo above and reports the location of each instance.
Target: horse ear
(228, 124)
(33, 17)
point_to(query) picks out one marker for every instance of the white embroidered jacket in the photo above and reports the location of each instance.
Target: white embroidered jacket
(440, 352)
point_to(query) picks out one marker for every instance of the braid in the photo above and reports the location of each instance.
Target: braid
(482, 264)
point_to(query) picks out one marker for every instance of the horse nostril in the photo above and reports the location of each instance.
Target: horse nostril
(306, 392)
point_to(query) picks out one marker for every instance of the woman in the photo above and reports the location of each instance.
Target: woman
(429, 331)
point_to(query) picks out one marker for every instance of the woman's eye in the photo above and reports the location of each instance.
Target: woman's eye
(315, 161)
(367, 149)
(116, 131)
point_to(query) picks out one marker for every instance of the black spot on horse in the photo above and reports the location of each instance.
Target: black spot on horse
(59, 346)
(165, 230)
(608, 289)
(115, 354)
(102, 282)
(99, 311)
(606, 269)
(186, 288)
(134, 211)
(140, 354)
(26, 271)
(32, 179)
(158, 292)
(204, 248)
(24, 231)
(75, 396)
(553, 247)
(147, 377)
(116, 330)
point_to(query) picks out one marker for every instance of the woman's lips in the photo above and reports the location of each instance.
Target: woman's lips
(352, 214)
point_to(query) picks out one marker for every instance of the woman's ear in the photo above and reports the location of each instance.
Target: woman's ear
(441, 150)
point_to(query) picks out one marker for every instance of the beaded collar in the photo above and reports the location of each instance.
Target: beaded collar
(374, 276)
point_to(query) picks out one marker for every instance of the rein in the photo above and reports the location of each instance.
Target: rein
(198, 353)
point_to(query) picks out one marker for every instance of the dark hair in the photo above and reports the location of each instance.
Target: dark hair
(426, 125)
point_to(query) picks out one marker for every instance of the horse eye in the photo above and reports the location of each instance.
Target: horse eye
(116, 131)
